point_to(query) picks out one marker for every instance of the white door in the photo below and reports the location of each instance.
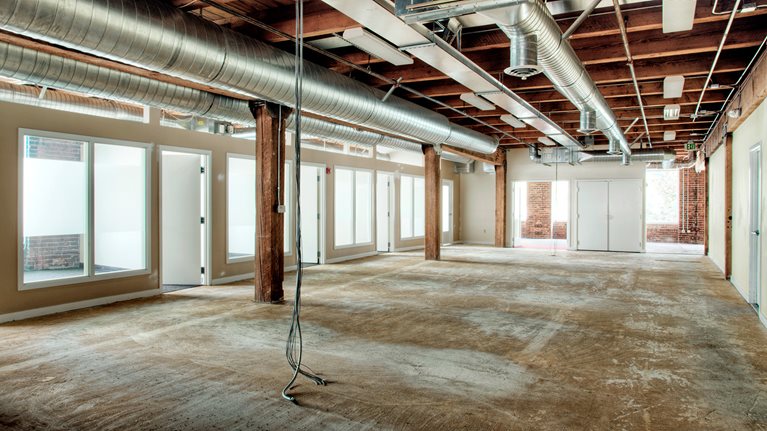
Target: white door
(384, 201)
(182, 217)
(754, 264)
(625, 215)
(447, 212)
(310, 214)
(592, 215)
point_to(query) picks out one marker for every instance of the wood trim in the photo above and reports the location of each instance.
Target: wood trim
(500, 201)
(728, 206)
(486, 158)
(433, 186)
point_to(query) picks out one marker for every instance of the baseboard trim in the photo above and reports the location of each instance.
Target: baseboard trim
(352, 257)
(54, 309)
(478, 243)
(763, 319)
(232, 279)
(411, 248)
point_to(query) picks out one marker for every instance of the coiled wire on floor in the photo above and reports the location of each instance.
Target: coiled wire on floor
(294, 348)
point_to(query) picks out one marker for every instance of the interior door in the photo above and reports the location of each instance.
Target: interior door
(383, 212)
(310, 214)
(625, 215)
(447, 212)
(592, 215)
(754, 264)
(181, 190)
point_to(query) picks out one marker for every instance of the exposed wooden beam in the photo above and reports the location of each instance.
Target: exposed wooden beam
(486, 158)
(500, 199)
(433, 209)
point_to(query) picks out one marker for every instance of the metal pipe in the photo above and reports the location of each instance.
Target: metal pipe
(158, 37)
(630, 59)
(716, 58)
(582, 17)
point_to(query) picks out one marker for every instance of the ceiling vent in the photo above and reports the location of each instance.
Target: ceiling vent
(523, 56)
(671, 112)
(588, 124)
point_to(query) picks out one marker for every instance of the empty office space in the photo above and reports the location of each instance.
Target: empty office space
(383, 215)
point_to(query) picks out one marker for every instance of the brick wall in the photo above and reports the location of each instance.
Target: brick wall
(538, 223)
(692, 212)
(53, 251)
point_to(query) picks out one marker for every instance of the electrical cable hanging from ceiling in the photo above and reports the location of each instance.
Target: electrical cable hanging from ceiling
(294, 347)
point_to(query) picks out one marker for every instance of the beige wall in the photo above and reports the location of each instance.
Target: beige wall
(715, 219)
(478, 211)
(752, 132)
(13, 117)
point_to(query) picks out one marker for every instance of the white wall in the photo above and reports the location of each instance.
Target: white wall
(752, 131)
(716, 221)
(478, 207)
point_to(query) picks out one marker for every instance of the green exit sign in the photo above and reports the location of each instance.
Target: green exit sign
(690, 146)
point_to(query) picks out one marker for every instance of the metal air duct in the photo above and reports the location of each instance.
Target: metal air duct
(558, 60)
(641, 156)
(523, 56)
(158, 37)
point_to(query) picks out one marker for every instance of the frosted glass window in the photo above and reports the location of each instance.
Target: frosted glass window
(419, 217)
(560, 201)
(241, 206)
(60, 198)
(119, 189)
(406, 207)
(445, 208)
(288, 222)
(662, 196)
(363, 207)
(344, 207)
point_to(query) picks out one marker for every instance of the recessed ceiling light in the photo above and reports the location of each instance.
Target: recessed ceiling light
(669, 136)
(678, 15)
(673, 86)
(477, 101)
(671, 112)
(376, 46)
(513, 121)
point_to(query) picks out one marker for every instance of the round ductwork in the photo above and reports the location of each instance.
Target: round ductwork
(523, 58)
(588, 124)
(613, 147)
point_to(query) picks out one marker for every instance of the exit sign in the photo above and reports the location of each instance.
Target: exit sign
(690, 146)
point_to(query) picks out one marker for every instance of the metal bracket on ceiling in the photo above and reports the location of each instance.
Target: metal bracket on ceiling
(438, 149)
(391, 90)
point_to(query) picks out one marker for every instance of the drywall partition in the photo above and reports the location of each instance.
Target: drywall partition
(752, 132)
(716, 217)
(478, 208)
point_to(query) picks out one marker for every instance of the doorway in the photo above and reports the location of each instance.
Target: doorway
(755, 210)
(447, 212)
(184, 215)
(384, 208)
(312, 187)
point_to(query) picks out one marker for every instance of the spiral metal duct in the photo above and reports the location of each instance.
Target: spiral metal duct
(43, 69)
(558, 60)
(156, 36)
(27, 95)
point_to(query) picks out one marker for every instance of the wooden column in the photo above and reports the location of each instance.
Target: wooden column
(433, 209)
(728, 206)
(270, 182)
(706, 217)
(500, 200)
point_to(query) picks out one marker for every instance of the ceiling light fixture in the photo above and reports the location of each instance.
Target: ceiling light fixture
(513, 121)
(671, 112)
(376, 46)
(673, 86)
(477, 101)
(669, 136)
(734, 113)
(678, 15)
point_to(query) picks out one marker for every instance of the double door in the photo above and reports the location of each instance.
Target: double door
(610, 215)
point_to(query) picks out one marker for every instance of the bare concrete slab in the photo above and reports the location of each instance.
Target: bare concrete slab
(484, 339)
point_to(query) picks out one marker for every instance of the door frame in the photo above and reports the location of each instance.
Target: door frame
(391, 197)
(321, 193)
(206, 248)
(754, 214)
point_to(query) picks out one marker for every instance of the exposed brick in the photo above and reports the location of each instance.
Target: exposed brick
(692, 212)
(52, 252)
(538, 223)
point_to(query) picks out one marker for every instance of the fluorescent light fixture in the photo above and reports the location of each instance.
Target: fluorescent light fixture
(671, 112)
(546, 141)
(477, 101)
(673, 86)
(678, 15)
(376, 46)
(734, 113)
(669, 136)
(748, 6)
(513, 121)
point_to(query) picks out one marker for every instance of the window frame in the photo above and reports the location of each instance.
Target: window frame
(90, 275)
(248, 258)
(354, 207)
(412, 205)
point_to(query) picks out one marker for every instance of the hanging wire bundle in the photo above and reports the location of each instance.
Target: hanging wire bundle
(294, 348)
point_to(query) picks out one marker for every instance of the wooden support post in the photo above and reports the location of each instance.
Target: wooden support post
(728, 206)
(500, 200)
(433, 209)
(706, 217)
(270, 186)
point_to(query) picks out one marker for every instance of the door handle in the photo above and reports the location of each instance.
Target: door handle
(755, 232)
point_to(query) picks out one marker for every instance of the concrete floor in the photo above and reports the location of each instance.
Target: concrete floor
(485, 339)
